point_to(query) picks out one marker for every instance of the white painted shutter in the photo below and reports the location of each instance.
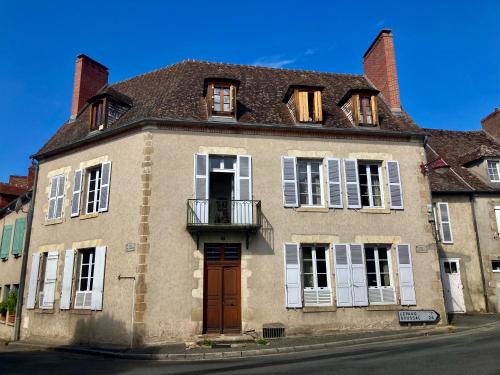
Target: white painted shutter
(105, 183)
(60, 196)
(405, 272)
(98, 286)
(201, 185)
(343, 275)
(289, 175)
(352, 183)
(445, 222)
(242, 206)
(359, 284)
(77, 191)
(49, 283)
(395, 189)
(67, 280)
(51, 214)
(33, 281)
(293, 289)
(497, 215)
(334, 183)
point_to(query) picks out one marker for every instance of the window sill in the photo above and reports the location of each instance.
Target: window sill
(81, 311)
(44, 311)
(375, 210)
(53, 221)
(89, 216)
(312, 209)
(388, 307)
(318, 309)
(222, 118)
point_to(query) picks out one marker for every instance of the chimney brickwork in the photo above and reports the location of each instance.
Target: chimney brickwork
(90, 77)
(379, 63)
(491, 124)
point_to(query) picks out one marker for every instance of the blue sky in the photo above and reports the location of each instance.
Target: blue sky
(447, 52)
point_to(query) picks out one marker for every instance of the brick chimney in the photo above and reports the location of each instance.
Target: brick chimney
(491, 124)
(90, 77)
(379, 63)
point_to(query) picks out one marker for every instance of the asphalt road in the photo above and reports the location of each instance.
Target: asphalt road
(473, 352)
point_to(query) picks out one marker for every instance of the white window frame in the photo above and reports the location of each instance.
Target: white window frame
(97, 189)
(377, 271)
(366, 164)
(309, 183)
(497, 217)
(89, 277)
(496, 166)
(56, 179)
(221, 168)
(328, 288)
(492, 269)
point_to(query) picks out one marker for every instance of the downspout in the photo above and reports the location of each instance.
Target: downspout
(24, 265)
(481, 267)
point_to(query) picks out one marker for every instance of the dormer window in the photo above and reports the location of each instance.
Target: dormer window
(98, 115)
(493, 170)
(360, 108)
(221, 99)
(305, 105)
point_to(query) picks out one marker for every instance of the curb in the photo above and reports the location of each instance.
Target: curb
(252, 352)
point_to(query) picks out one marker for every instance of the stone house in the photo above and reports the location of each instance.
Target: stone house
(209, 198)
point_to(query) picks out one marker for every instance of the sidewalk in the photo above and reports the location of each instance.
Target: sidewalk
(275, 346)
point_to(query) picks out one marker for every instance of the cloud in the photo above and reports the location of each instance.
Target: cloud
(273, 61)
(310, 51)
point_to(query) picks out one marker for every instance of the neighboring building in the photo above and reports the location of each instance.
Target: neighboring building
(17, 186)
(466, 200)
(217, 198)
(12, 232)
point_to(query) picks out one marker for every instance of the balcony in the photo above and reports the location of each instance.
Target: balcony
(216, 215)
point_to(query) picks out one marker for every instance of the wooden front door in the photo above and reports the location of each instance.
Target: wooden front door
(222, 289)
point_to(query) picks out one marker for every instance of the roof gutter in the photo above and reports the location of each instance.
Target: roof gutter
(237, 127)
(24, 265)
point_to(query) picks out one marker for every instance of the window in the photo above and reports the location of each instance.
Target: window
(450, 267)
(310, 182)
(493, 170)
(370, 184)
(315, 275)
(98, 115)
(365, 111)
(4, 296)
(83, 298)
(308, 106)
(379, 274)
(495, 265)
(56, 197)
(93, 189)
(222, 99)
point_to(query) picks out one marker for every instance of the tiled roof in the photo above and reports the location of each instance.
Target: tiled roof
(176, 93)
(458, 148)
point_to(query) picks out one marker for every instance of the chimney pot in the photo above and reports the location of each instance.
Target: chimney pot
(379, 63)
(90, 77)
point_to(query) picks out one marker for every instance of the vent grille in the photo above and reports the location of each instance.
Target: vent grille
(273, 331)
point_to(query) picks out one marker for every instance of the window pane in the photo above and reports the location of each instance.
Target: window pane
(370, 266)
(308, 281)
(385, 279)
(320, 253)
(372, 279)
(321, 266)
(382, 253)
(369, 251)
(322, 281)
(495, 265)
(228, 163)
(83, 284)
(453, 267)
(447, 268)
(307, 252)
(85, 270)
(383, 266)
(308, 266)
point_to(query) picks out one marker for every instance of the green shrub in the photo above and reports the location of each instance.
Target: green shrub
(10, 303)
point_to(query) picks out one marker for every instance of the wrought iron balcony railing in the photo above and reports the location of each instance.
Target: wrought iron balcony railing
(219, 213)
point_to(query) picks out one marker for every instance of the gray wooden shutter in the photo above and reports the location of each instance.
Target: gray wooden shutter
(445, 222)
(98, 286)
(105, 184)
(343, 275)
(60, 196)
(77, 192)
(51, 214)
(242, 206)
(359, 284)
(334, 183)
(293, 289)
(352, 183)
(289, 175)
(49, 283)
(395, 190)
(405, 273)
(201, 186)
(33, 281)
(67, 280)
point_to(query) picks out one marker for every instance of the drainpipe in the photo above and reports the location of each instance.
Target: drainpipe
(481, 267)
(24, 265)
